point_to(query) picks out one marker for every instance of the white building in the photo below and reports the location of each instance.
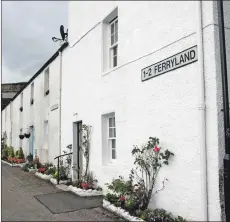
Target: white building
(102, 78)
(35, 109)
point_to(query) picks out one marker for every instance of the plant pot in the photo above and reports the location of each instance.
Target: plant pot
(21, 136)
(27, 135)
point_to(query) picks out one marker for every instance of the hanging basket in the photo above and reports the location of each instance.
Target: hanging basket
(21, 136)
(27, 135)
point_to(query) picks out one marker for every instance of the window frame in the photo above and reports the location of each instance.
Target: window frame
(113, 46)
(110, 139)
(32, 94)
(46, 81)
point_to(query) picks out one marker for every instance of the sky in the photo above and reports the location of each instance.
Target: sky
(27, 31)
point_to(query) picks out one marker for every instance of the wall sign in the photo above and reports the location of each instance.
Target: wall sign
(54, 107)
(176, 61)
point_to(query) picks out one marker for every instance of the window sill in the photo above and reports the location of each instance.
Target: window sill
(112, 163)
(110, 70)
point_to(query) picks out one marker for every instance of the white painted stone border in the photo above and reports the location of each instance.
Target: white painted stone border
(119, 211)
(12, 165)
(84, 193)
(54, 181)
(43, 176)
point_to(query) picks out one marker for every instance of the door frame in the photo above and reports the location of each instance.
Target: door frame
(77, 153)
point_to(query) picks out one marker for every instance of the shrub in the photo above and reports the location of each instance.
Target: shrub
(120, 186)
(50, 170)
(20, 153)
(30, 157)
(5, 153)
(11, 151)
(112, 198)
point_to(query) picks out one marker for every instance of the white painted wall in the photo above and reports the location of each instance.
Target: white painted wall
(165, 106)
(36, 115)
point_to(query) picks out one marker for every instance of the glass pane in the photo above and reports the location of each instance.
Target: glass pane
(116, 26)
(112, 28)
(116, 37)
(115, 51)
(112, 132)
(113, 143)
(112, 39)
(112, 122)
(113, 154)
(114, 61)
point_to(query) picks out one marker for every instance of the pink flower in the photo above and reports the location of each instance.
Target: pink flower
(156, 149)
(122, 198)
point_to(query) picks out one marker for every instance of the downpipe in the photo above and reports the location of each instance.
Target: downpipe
(202, 115)
(60, 92)
(223, 60)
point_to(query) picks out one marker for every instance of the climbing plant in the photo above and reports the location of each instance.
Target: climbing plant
(149, 159)
(85, 146)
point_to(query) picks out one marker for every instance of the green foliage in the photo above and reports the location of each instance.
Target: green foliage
(179, 219)
(112, 198)
(11, 151)
(30, 157)
(120, 186)
(148, 160)
(20, 153)
(50, 170)
(5, 152)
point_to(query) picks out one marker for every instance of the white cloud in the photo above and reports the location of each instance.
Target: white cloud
(27, 29)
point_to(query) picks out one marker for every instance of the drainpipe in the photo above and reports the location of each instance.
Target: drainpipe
(60, 92)
(225, 108)
(202, 109)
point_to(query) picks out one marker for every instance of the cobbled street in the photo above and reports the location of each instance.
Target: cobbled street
(19, 203)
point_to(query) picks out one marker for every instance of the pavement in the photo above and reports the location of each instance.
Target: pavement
(19, 203)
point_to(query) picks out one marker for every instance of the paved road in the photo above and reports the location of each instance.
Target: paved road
(19, 204)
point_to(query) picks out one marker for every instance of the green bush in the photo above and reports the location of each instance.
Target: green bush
(5, 153)
(30, 157)
(11, 152)
(20, 153)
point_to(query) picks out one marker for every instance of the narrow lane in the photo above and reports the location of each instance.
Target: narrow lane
(19, 203)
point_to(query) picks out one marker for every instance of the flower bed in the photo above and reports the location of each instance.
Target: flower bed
(119, 211)
(43, 176)
(11, 164)
(84, 193)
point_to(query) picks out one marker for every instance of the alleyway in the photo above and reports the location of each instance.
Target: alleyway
(19, 203)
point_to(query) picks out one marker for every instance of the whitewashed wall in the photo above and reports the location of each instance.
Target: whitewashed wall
(36, 115)
(165, 106)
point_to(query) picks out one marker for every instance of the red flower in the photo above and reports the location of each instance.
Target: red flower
(42, 170)
(90, 186)
(84, 185)
(156, 149)
(122, 198)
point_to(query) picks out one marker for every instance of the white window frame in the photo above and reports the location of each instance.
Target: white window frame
(32, 92)
(110, 139)
(113, 45)
(46, 81)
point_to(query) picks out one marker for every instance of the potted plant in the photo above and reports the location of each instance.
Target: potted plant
(30, 157)
(27, 135)
(20, 156)
(21, 136)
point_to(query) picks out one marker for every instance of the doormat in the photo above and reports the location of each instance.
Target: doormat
(63, 202)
